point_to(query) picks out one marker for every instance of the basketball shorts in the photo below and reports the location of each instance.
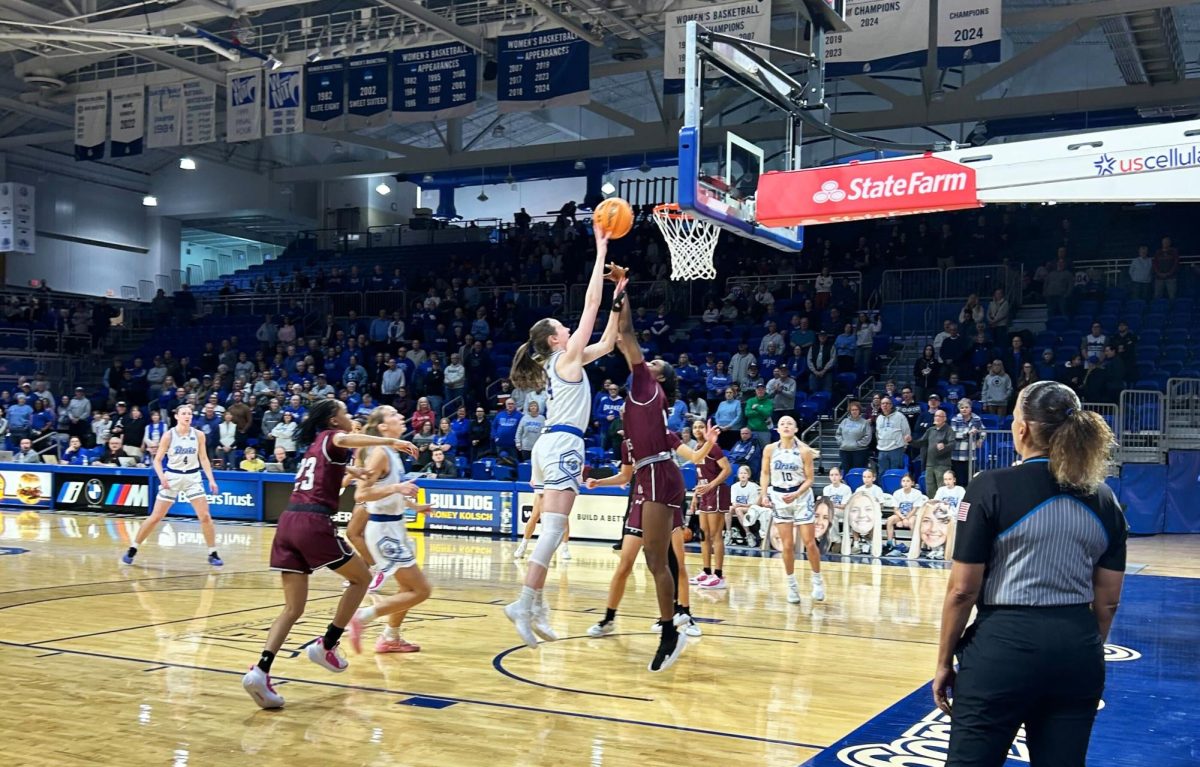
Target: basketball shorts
(389, 544)
(799, 512)
(715, 501)
(306, 541)
(660, 482)
(557, 462)
(185, 488)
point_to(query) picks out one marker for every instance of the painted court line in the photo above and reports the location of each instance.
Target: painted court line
(452, 699)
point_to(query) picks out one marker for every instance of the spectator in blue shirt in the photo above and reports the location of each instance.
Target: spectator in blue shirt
(954, 390)
(709, 365)
(747, 451)
(677, 416)
(20, 420)
(504, 429)
(607, 409)
(461, 426)
(480, 328)
(298, 411)
(355, 373)
(770, 359)
(352, 398)
(845, 346)
(729, 413)
(660, 328)
(716, 384)
(688, 374)
(208, 423)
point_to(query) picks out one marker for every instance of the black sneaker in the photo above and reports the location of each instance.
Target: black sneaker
(670, 647)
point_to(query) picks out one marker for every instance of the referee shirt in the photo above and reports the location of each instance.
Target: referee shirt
(1040, 542)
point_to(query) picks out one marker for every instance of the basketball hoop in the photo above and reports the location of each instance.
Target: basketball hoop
(691, 241)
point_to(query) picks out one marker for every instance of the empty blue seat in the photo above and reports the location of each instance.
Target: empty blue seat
(809, 413)
(524, 471)
(854, 478)
(890, 482)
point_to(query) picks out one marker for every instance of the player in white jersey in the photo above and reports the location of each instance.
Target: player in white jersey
(185, 453)
(743, 496)
(379, 528)
(787, 479)
(552, 360)
(838, 493)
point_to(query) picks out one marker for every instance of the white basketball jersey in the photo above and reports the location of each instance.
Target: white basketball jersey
(392, 504)
(787, 467)
(184, 453)
(745, 495)
(569, 403)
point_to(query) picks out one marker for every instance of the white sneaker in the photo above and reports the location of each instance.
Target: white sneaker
(693, 628)
(331, 660)
(604, 629)
(540, 622)
(680, 620)
(521, 619)
(566, 553)
(521, 547)
(793, 594)
(700, 580)
(818, 589)
(713, 582)
(258, 683)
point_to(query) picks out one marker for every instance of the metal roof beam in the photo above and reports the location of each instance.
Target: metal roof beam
(34, 139)
(1022, 61)
(563, 21)
(467, 37)
(33, 110)
(1058, 14)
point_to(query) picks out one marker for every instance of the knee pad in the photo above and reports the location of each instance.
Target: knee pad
(554, 528)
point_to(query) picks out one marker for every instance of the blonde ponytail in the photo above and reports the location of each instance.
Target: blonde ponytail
(528, 370)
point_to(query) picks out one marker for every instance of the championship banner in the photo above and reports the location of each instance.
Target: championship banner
(884, 35)
(747, 19)
(91, 125)
(367, 90)
(102, 492)
(26, 489)
(199, 112)
(542, 69)
(325, 96)
(17, 230)
(285, 88)
(434, 83)
(164, 118)
(128, 121)
(243, 106)
(968, 32)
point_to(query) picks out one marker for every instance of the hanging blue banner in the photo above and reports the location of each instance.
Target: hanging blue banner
(434, 83)
(542, 69)
(367, 90)
(325, 96)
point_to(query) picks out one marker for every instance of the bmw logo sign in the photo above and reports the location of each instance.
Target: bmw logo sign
(94, 491)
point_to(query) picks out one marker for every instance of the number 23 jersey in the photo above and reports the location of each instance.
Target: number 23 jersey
(319, 476)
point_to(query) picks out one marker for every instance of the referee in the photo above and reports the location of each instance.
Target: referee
(1040, 549)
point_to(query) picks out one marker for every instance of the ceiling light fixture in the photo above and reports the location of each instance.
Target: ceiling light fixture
(482, 196)
(383, 189)
(427, 178)
(150, 201)
(580, 165)
(187, 163)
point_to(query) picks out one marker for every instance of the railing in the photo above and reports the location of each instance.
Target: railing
(676, 296)
(998, 451)
(1115, 271)
(777, 283)
(269, 303)
(1140, 427)
(812, 437)
(129, 293)
(1183, 414)
(451, 407)
(957, 282)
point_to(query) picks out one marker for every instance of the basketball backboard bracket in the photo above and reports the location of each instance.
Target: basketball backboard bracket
(726, 145)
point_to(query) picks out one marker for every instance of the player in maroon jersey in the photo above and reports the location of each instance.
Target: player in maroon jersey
(306, 540)
(711, 499)
(658, 483)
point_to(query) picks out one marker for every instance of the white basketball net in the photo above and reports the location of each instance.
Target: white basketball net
(691, 241)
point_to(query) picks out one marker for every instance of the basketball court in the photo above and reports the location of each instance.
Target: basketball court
(154, 655)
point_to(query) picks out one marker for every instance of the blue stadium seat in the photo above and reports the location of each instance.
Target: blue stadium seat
(809, 413)
(990, 422)
(846, 381)
(822, 399)
(482, 469)
(1057, 325)
(854, 478)
(1135, 307)
(1150, 336)
(524, 471)
(890, 482)
(689, 474)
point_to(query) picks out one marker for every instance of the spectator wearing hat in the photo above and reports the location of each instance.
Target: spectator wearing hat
(1046, 366)
(753, 379)
(822, 362)
(758, 410)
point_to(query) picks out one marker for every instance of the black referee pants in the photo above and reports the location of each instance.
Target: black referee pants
(1042, 667)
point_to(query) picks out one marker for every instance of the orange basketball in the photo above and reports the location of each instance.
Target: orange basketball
(613, 216)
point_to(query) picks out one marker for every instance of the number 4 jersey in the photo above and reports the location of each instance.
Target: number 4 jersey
(319, 476)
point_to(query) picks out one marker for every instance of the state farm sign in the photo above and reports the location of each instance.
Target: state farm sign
(856, 191)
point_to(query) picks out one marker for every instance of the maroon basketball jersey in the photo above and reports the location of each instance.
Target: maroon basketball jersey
(319, 476)
(645, 419)
(710, 467)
